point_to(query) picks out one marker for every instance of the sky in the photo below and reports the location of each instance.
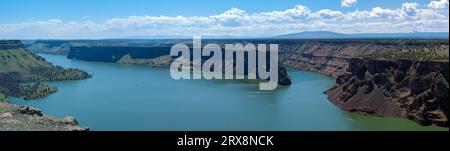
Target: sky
(97, 19)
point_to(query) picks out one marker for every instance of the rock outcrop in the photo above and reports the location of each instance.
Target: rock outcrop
(331, 57)
(29, 111)
(24, 118)
(159, 62)
(417, 90)
(283, 77)
(37, 91)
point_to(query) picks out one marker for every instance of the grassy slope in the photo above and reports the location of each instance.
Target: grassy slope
(20, 65)
(20, 61)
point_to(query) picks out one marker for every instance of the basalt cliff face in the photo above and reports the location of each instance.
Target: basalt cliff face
(149, 56)
(116, 53)
(417, 90)
(332, 57)
(10, 44)
(329, 57)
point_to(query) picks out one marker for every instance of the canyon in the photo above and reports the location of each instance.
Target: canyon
(423, 101)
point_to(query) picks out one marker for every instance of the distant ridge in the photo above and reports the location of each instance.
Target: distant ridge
(334, 35)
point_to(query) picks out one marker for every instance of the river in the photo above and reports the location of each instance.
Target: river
(131, 97)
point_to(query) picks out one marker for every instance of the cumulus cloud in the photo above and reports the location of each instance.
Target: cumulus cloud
(438, 4)
(348, 3)
(236, 22)
(409, 8)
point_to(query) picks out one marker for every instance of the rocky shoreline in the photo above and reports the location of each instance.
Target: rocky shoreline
(37, 91)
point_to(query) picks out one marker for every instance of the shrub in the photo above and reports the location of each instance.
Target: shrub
(2, 98)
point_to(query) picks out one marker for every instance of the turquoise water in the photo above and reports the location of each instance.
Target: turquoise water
(129, 97)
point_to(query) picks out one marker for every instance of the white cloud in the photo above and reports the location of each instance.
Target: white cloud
(409, 8)
(326, 13)
(438, 4)
(348, 3)
(236, 22)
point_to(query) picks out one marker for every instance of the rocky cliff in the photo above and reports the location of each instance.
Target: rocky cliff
(10, 44)
(329, 57)
(159, 62)
(115, 53)
(37, 91)
(417, 90)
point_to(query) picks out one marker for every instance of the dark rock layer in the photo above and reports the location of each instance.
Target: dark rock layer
(150, 56)
(417, 90)
(10, 44)
(114, 54)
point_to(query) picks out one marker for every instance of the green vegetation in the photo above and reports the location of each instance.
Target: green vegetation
(18, 65)
(409, 55)
(37, 91)
(32, 67)
(415, 52)
(2, 98)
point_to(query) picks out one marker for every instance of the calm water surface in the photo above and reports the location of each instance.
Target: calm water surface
(129, 97)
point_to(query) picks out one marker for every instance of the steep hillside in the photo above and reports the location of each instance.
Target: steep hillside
(417, 90)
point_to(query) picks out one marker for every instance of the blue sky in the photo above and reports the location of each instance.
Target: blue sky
(24, 10)
(122, 18)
